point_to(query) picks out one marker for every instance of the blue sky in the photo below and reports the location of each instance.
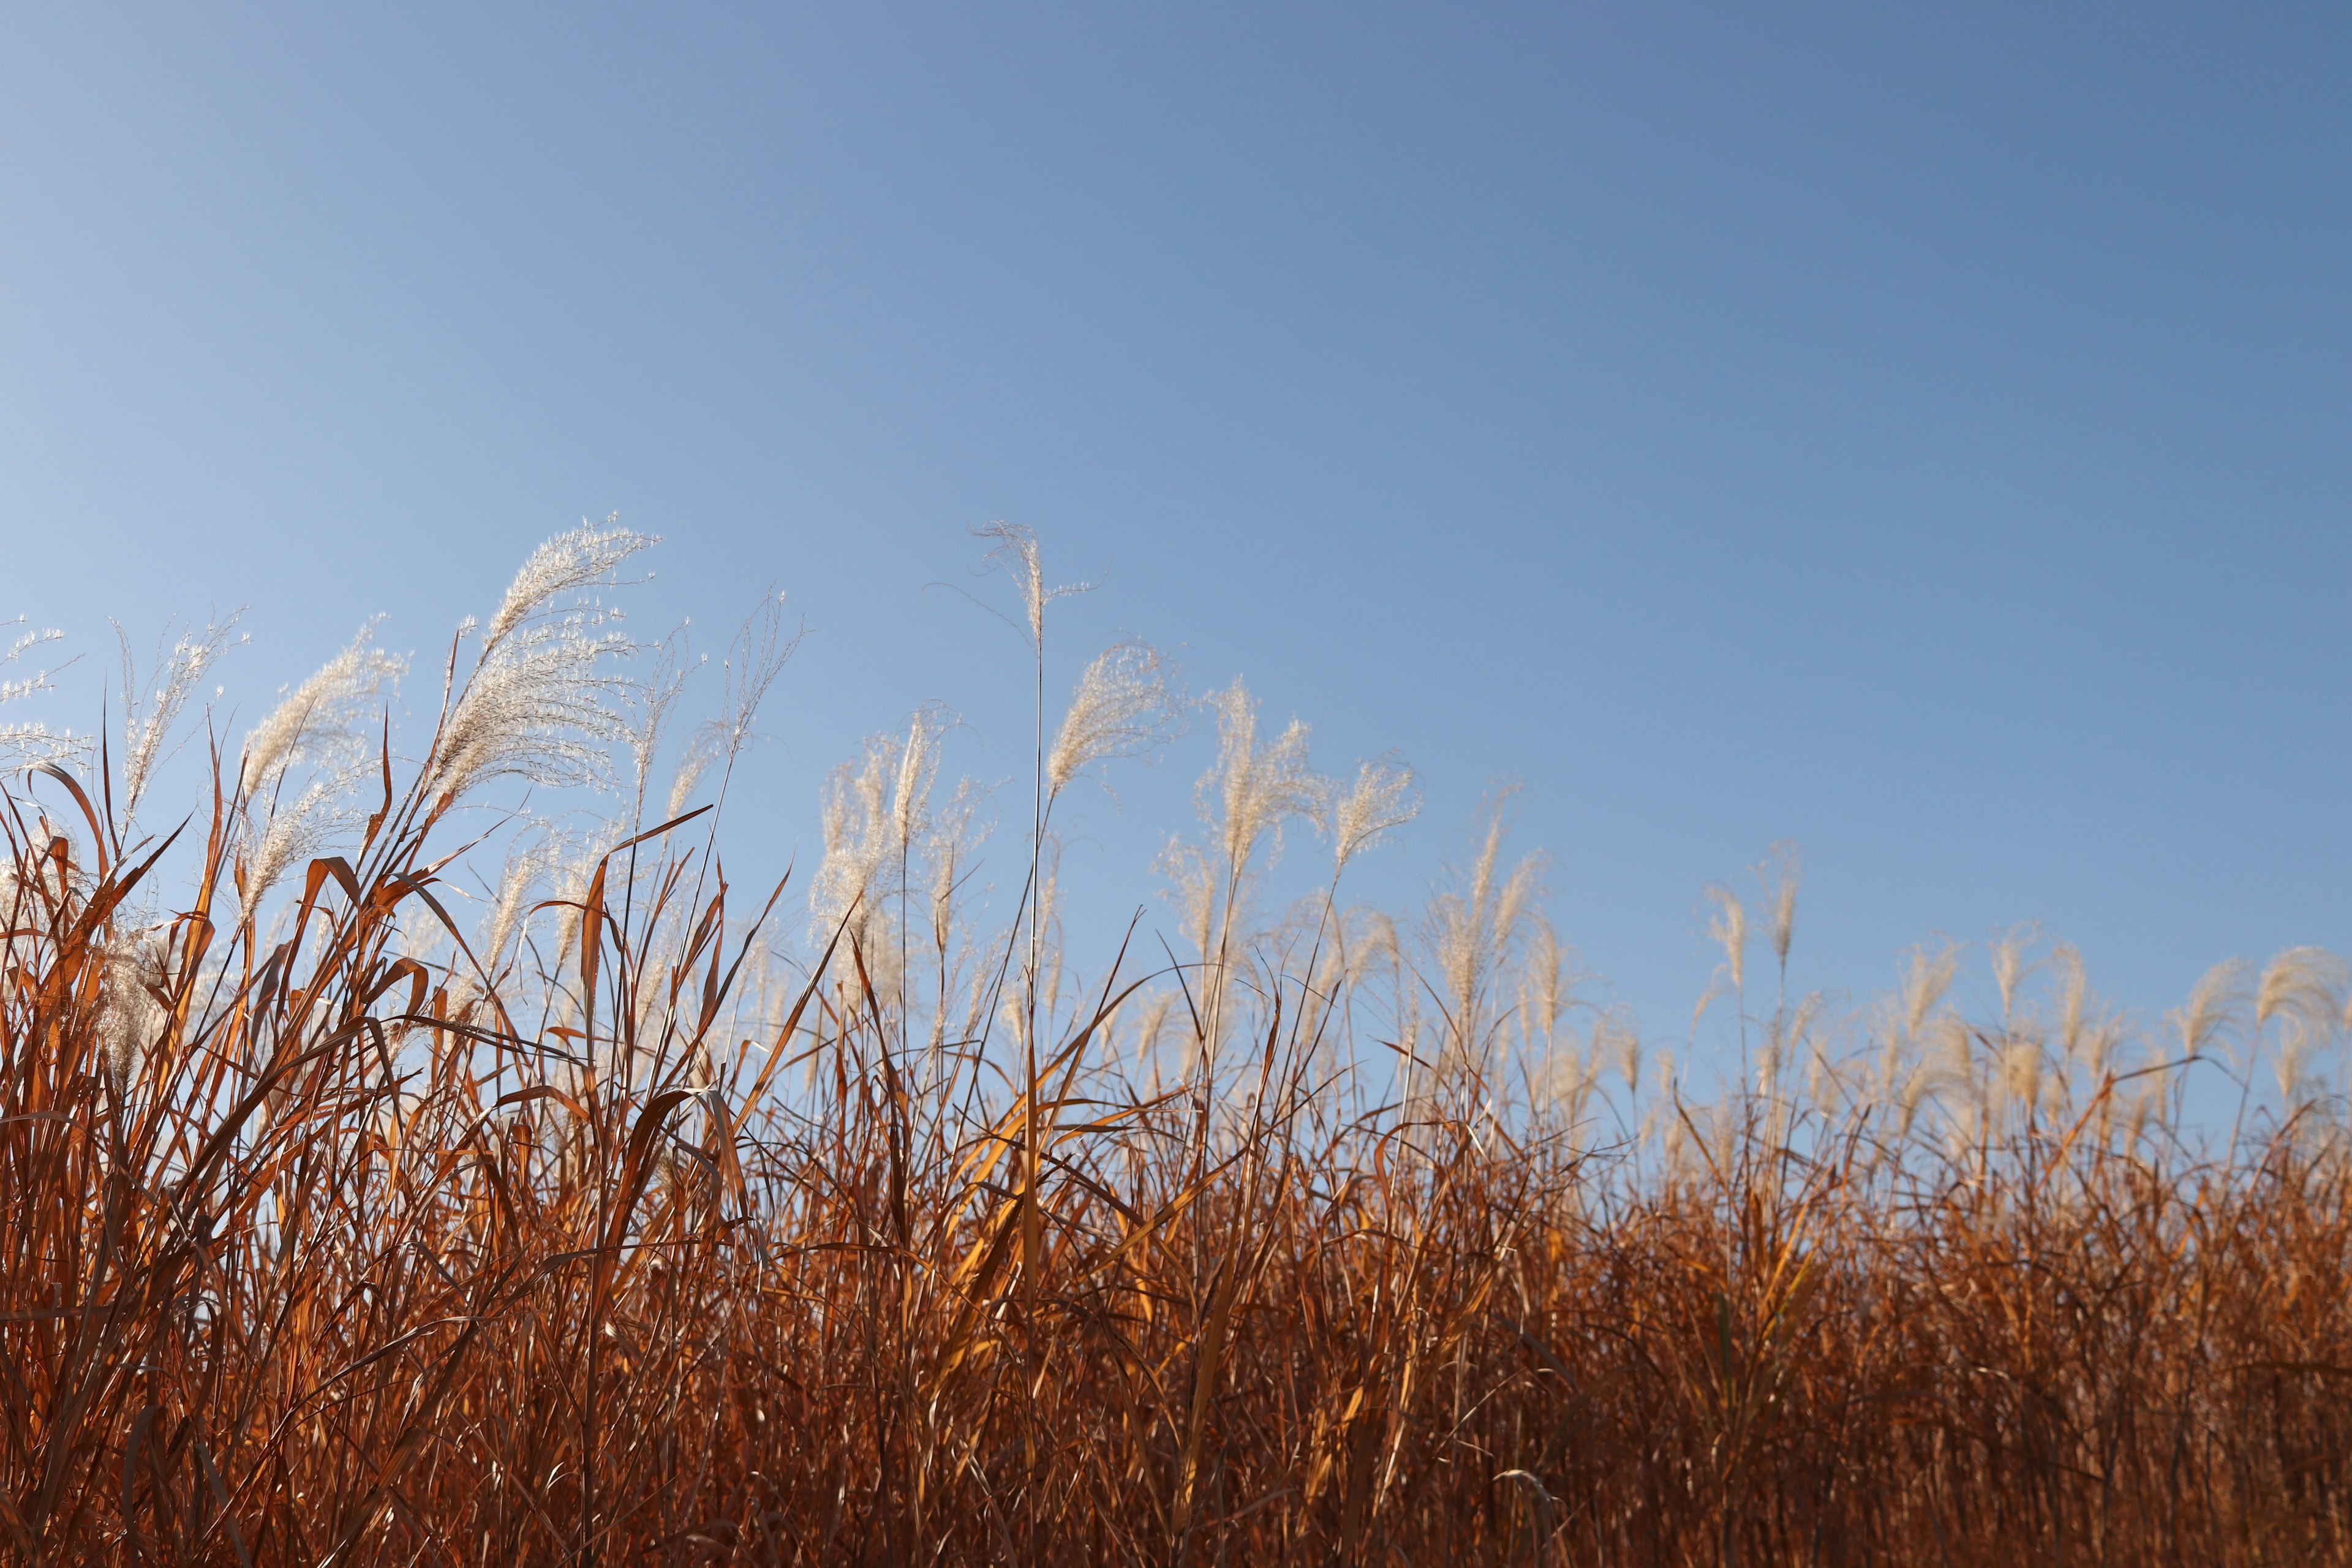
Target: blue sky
(1917, 432)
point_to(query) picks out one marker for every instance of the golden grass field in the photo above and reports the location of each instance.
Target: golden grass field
(375, 1191)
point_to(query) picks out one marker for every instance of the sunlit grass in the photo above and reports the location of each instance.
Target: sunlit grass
(375, 1191)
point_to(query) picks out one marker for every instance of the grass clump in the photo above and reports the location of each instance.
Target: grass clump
(638, 1215)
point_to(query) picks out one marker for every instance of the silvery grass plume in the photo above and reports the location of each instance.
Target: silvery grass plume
(910, 816)
(2304, 987)
(1927, 974)
(129, 1018)
(1243, 800)
(1385, 796)
(1477, 923)
(148, 713)
(1727, 928)
(293, 832)
(539, 703)
(918, 765)
(570, 563)
(2217, 1011)
(1547, 985)
(527, 863)
(316, 725)
(1014, 551)
(319, 720)
(28, 743)
(2304, 990)
(955, 838)
(874, 813)
(950, 852)
(1126, 705)
(568, 863)
(2011, 966)
(859, 841)
(1253, 789)
(1780, 874)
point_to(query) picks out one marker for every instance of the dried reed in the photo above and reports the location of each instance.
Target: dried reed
(621, 1226)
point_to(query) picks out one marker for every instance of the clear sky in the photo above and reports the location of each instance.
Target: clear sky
(1917, 431)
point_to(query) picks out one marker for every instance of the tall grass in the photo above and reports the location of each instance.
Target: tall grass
(373, 1197)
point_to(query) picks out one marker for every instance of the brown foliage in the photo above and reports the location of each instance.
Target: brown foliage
(313, 1250)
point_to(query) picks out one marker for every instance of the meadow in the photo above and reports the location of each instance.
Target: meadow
(394, 1170)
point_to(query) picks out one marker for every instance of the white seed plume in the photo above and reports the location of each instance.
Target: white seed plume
(2009, 966)
(148, 715)
(1125, 706)
(522, 873)
(26, 743)
(863, 847)
(543, 707)
(919, 764)
(318, 724)
(564, 565)
(1193, 885)
(1615, 1031)
(2304, 990)
(1782, 870)
(1253, 788)
(1727, 926)
(2217, 1008)
(130, 1019)
(32, 741)
(955, 836)
(692, 764)
(1477, 922)
(648, 703)
(1927, 975)
(1385, 796)
(574, 871)
(542, 704)
(1014, 551)
(317, 721)
(1547, 987)
(2305, 985)
(293, 832)
(1152, 1024)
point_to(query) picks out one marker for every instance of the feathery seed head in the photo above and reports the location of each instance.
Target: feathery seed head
(1384, 798)
(31, 742)
(1927, 975)
(566, 563)
(2305, 984)
(1782, 870)
(1015, 551)
(129, 1018)
(541, 707)
(1728, 926)
(919, 764)
(1126, 705)
(863, 847)
(318, 720)
(2217, 1008)
(148, 714)
(1253, 788)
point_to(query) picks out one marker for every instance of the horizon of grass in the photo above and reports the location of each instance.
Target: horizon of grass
(649, 1216)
